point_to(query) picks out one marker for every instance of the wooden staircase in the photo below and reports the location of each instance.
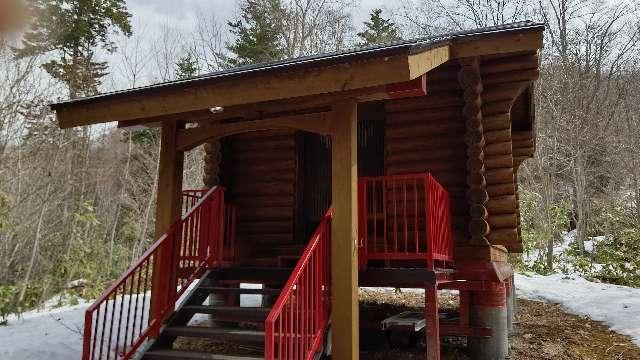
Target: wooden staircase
(240, 328)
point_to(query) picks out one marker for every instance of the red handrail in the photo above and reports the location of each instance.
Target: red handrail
(122, 318)
(404, 217)
(297, 322)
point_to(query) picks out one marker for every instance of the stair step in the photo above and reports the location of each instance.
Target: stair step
(166, 354)
(220, 334)
(253, 274)
(231, 313)
(235, 290)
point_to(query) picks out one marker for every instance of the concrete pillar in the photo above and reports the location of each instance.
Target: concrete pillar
(489, 309)
(510, 291)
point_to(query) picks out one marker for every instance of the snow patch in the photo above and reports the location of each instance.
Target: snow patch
(616, 306)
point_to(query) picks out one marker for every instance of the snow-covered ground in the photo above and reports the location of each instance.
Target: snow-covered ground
(616, 306)
(56, 334)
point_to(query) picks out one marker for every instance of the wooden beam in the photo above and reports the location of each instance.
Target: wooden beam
(168, 207)
(496, 44)
(422, 62)
(261, 110)
(319, 123)
(246, 89)
(344, 229)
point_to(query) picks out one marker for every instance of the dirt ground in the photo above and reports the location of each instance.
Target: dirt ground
(543, 331)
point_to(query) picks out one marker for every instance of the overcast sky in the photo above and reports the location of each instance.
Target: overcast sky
(182, 13)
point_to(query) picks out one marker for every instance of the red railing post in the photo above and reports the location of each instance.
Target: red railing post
(400, 194)
(116, 325)
(296, 324)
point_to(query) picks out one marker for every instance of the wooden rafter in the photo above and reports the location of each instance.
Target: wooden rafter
(319, 123)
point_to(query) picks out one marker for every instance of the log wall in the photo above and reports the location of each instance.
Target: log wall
(505, 79)
(263, 170)
(426, 134)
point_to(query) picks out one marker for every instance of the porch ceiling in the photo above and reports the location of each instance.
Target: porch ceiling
(361, 74)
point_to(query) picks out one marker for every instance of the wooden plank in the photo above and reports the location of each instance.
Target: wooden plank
(168, 210)
(314, 122)
(496, 44)
(344, 228)
(425, 61)
(247, 89)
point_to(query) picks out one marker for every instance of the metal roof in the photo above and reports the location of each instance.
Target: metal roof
(406, 46)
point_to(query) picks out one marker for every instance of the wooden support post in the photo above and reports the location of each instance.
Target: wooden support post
(168, 209)
(344, 228)
(433, 322)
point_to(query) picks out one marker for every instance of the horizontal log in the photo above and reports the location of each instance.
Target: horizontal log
(475, 165)
(498, 161)
(503, 221)
(517, 160)
(259, 168)
(448, 154)
(272, 144)
(496, 190)
(494, 136)
(512, 76)
(503, 236)
(496, 122)
(265, 227)
(425, 117)
(287, 176)
(520, 152)
(443, 75)
(430, 101)
(496, 107)
(478, 211)
(420, 130)
(271, 239)
(275, 188)
(528, 143)
(442, 86)
(502, 205)
(264, 213)
(475, 180)
(516, 63)
(264, 201)
(499, 176)
(522, 135)
(424, 143)
(435, 167)
(478, 227)
(503, 92)
(503, 148)
(477, 196)
(266, 134)
(266, 154)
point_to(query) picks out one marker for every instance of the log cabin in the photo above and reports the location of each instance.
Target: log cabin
(394, 165)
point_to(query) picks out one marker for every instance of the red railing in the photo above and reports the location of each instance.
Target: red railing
(123, 317)
(295, 327)
(404, 217)
(190, 198)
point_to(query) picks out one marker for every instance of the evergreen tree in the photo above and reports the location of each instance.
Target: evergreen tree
(69, 32)
(187, 66)
(378, 30)
(258, 33)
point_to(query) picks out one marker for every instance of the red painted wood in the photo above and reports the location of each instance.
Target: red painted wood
(295, 327)
(120, 320)
(404, 217)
